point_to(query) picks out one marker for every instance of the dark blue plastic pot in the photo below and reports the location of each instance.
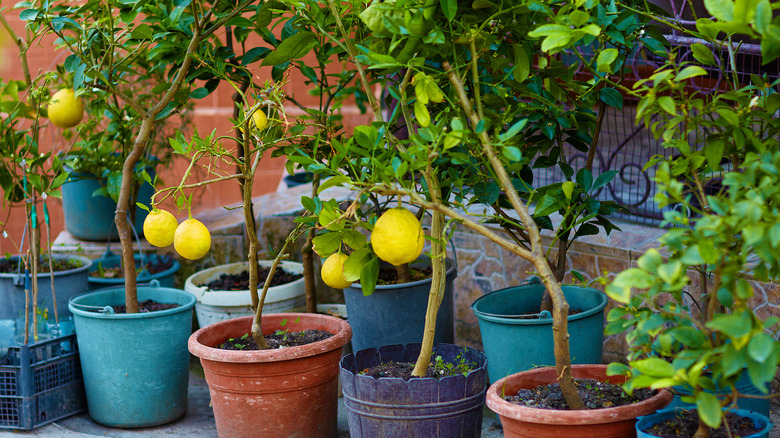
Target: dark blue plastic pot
(135, 366)
(90, 217)
(395, 314)
(66, 285)
(760, 422)
(166, 278)
(513, 344)
(419, 407)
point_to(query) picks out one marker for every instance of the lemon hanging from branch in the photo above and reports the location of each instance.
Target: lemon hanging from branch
(192, 239)
(398, 237)
(65, 110)
(160, 227)
(333, 271)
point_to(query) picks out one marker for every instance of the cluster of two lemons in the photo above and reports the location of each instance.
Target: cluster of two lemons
(191, 238)
(397, 238)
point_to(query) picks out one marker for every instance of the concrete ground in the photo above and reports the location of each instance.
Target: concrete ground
(199, 421)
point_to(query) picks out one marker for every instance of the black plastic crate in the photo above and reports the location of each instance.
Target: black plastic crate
(41, 383)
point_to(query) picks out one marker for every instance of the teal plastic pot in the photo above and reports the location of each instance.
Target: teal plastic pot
(166, 278)
(135, 366)
(67, 284)
(513, 344)
(744, 385)
(760, 422)
(90, 217)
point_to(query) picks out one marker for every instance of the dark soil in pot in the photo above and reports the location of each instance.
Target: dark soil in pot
(388, 274)
(147, 306)
(595, 394)
(240, 281)
(155, 266)
(12, 265)
(278, 339)
(685, 424)
(437, 369)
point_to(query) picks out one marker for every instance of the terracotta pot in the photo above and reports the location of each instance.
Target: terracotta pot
(290, 392)
(523, 421)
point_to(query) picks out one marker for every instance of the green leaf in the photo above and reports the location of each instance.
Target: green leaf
(28, 14)
(734, 325)
(354, 239)
(353, 266)
(654, 367)
(449, 7)
(421, 114)
(761, 347)
(688, 336)
(333, 181)
(522, 66)
(515, 129)
(585, 179)
(604, 179)
(714, 153)
(142, 32)
(708, 406)
(326, 244)
(369, 276)
(723, 10)
(650, 260)
(114, 184)
(611, 97)
(291, 48)
(690, 72)
(512, 153)
(605, 60)
(703, 53)
(667, 104)
(763, 18)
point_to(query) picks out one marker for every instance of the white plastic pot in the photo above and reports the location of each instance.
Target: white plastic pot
(219, 305)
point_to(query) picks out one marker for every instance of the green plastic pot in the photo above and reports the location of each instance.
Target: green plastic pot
(513, 344)
(135, 366)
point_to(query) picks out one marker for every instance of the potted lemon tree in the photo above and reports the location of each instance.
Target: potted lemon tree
(34, 279)
(463, 146)
(690, 305)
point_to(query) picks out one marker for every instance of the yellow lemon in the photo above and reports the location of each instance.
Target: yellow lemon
(159, 227)
(260, 119)
(192, 239)
(333, 271)
(398, 237)
(65, 109)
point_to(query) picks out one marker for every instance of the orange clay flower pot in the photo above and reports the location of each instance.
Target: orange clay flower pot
(290, 392)
(522, 421)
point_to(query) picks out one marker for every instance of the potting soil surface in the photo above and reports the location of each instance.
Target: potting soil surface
(595, 394)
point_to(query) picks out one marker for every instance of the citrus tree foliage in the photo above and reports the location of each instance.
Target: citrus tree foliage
(720, 192)
(538, 75)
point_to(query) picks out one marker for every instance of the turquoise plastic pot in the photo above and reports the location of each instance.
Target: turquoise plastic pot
(513, 344)
(111, 260)
(760, 422)
(135, 366)
(90, 217)
(744, 386)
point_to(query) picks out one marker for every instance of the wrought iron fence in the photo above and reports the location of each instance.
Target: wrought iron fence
(626, 146)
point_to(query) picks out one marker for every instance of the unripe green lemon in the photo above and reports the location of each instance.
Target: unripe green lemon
(398, 237)
(65, 109)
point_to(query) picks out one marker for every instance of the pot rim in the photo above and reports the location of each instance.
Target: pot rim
(512, 320)
(86, 264)
(497, 404)
(228, 298)
(73, 303)
(662, 414)
(450, 264)
(243, 324)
